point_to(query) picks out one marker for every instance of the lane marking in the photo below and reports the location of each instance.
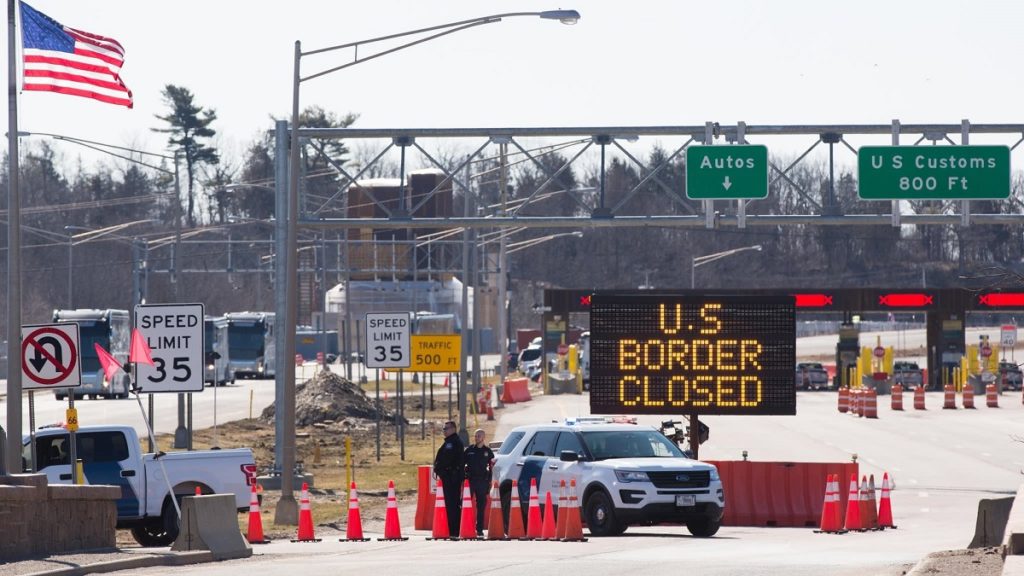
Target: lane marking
(922, 494)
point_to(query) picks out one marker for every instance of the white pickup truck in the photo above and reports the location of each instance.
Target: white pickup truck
(112, 455)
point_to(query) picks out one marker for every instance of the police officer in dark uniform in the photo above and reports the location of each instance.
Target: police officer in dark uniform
(449, 467)
(478, 470)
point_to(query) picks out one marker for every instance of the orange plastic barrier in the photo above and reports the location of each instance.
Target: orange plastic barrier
(788, 494)
(870, 406)
(919, 398)
(991, 396)
(897, 397)
(949, 398)
(844, 400)
(425, 499)
(968, 397)
(516, 390)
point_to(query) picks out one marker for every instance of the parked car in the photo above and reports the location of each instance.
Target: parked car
(529, 360)
(1011, 376)
(907, 374)
(811, 376)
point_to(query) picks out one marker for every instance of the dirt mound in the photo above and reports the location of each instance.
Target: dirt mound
(328, 396)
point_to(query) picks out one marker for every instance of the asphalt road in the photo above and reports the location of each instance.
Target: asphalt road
(942, 462)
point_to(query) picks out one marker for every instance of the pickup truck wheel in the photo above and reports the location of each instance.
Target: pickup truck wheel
(703, 528)
(153, 534)
(600, 514)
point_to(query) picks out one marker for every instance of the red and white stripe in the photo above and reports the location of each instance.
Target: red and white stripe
(92, 71)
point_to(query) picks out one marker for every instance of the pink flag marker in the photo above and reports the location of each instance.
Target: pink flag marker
(139, 351)
(109, 363)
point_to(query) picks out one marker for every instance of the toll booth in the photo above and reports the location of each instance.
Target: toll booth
(952, 347)
(847, 353)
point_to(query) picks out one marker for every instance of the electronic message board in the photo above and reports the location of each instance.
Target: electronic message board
(705, 353)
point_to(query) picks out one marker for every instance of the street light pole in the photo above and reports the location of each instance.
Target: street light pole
(701, 260)
(287, 512)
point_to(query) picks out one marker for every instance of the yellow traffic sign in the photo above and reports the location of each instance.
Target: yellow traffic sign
(435, 353)
(71, 419)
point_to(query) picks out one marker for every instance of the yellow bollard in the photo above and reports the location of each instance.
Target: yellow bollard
(80, 469)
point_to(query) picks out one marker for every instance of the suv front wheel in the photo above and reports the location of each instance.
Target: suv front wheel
(600, 516)
(703, 528)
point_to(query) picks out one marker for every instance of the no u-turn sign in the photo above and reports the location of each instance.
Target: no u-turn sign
(50, 356)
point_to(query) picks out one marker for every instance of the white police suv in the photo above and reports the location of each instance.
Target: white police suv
(625, 475)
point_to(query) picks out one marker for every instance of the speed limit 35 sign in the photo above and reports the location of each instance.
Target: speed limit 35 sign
(175, 335)
(387, 340)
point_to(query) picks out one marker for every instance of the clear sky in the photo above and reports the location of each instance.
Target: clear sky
(626, 63)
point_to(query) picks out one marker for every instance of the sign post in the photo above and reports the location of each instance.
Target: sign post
(436, 353)
(50, 359)
(175, 336)
(387, 340)
(727, 172)
(1008, 339)
(387, 346)
(933, 172)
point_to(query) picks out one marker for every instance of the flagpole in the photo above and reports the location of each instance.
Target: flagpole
(13, 451)
(157, 454)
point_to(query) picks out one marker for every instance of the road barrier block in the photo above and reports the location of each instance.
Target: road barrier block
(784, 494)
(211, 523)
(425, 499)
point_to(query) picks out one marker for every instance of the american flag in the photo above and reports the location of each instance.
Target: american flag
(69, 61)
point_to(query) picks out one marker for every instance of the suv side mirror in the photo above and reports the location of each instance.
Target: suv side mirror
(569, 456)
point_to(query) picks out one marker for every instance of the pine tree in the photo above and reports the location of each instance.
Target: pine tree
(189, 126)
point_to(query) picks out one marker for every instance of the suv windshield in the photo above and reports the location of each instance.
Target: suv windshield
(630, 444)
(529, 354)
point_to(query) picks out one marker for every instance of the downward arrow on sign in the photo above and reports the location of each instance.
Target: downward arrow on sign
(40, 359)
(726, 183)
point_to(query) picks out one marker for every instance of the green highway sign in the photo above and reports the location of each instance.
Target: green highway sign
(727, 172)
(933, 172)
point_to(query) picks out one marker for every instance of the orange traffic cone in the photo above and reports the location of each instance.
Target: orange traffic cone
(862, 493)
(534, 528)
(885, 505)
(255, 534)
(354, 530)
(467, 522)
(548, 531)
(495, 522)
(515, 516)
(305, 533)
(827, 513)
(440, 526)
(573, 522)
(563, 503)
(872, 521)
(392, 527)
(837, 505)
(853, 506)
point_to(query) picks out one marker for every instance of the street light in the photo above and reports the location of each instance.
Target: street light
(287, 510)
(702, 260)
(523, 245)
